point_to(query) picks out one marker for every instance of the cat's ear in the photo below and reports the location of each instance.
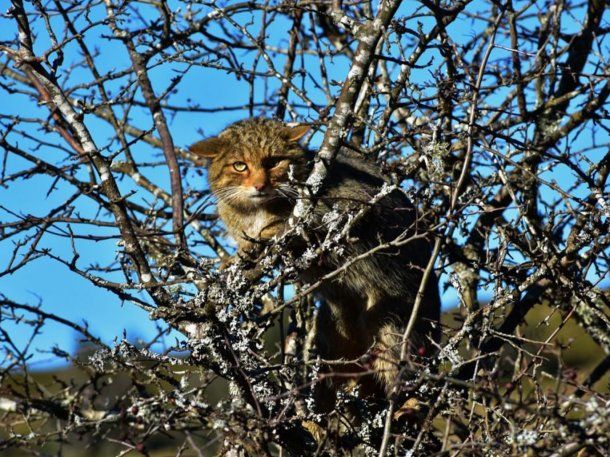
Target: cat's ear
(295, 133)
(208, 148)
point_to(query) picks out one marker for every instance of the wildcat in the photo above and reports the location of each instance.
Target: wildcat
(252, 166)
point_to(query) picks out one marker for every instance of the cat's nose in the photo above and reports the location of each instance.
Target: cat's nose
(260, 186)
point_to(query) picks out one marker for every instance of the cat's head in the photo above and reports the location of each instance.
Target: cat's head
(249, 163)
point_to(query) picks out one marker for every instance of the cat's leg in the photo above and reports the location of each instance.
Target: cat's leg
(388, 347)
(386, 355)
(342, 337)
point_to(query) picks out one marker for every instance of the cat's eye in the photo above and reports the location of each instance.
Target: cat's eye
(240, 166)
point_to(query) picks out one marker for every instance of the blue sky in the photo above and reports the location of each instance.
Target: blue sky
(72, 297)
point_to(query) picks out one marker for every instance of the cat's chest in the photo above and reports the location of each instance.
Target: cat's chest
(253, 225)
(256, 223)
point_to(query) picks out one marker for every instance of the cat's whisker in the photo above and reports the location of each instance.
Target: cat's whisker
(228, 194)
(288, 197)
(288, 190)
(232, 194)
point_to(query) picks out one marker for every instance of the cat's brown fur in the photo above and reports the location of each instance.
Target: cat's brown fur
(367, 307)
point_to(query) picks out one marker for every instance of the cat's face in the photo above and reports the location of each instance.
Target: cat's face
(251, 163)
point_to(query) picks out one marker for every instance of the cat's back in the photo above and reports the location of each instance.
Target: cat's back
(355, 183)
(387, 219)
(353, 173)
